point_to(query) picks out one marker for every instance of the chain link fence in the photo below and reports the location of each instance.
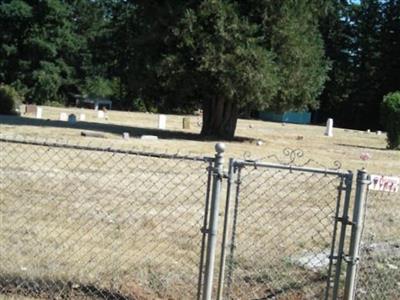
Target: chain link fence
(282, 232)
(379, 270)
(85, 222)
(82, 222)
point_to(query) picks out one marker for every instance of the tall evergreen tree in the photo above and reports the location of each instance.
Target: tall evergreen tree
(298, 46)
(338, 36)
(215, 55)
(390, 47)
(366, 96)
(38, 52)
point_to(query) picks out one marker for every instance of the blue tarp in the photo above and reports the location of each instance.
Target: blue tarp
(287, 117)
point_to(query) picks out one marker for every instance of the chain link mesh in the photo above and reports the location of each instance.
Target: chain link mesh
(88, 223)
(283, 234)
(379, 269)
(80, 222)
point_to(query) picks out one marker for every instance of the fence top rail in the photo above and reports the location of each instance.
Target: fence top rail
(290, 167)
(109, 149)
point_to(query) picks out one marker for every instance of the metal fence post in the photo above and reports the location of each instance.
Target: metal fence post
(203, 230)
(356, 230)
(221, 276)
(344, 223)
(213, 223)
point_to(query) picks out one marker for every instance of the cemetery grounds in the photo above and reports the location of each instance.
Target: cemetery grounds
(92, 195)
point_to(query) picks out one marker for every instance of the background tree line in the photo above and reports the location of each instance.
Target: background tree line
(228, 57)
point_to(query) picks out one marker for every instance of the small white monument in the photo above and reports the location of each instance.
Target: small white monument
(162, 121)
(378, 132)
(149, 137)
(100, 114)
(63, 116)
(82, 117)
(22, 109)
(39, 112)
(125, 135)
(329, 127)
(71, 119)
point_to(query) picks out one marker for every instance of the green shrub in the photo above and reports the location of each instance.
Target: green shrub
(53, 103)
(9, 99)
(100, 87)
(390, 115)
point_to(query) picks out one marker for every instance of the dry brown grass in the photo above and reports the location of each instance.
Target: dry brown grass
(345, 146)
(126, 223)
(112, 221)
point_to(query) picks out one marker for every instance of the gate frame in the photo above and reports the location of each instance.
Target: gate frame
(363, 180)
(344, 189)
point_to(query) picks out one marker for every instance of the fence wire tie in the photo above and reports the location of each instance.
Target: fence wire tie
(351, 260)
(218, 174)
(344, 220)
(205, 230)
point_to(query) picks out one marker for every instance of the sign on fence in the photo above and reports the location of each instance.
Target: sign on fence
(384, 183)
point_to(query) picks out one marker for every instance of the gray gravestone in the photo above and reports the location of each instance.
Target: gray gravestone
(71, 119)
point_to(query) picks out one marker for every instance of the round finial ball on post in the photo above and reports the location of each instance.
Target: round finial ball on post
(220, 147)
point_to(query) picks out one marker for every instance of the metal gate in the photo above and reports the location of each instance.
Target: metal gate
(91, 222)
(85, 222)
(284, 232)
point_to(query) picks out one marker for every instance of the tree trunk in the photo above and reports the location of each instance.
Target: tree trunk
(219, 118)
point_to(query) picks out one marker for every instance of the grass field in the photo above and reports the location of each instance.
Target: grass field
(86, 224)
(345, 146)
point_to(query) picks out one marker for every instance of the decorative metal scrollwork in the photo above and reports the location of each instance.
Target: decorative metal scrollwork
(293, 157)
(246, 155)
(293, 154)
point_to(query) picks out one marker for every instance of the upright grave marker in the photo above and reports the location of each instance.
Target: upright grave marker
(31, 109)
(22, 109)
(63, 116)
(82, 117)
(71, 119)
(329, 127)
(186, 123)
(162, 121)
(100, 114)
(39, 112)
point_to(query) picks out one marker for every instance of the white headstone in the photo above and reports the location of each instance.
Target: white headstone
(72, 119)
(149, 137)
(63, 116)
(82, 117)
(39, 112)
(100, 114)
(368, 131)
(379, 132)
(22, 109)
(329, 127)
(162, 121)
(125, 135)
